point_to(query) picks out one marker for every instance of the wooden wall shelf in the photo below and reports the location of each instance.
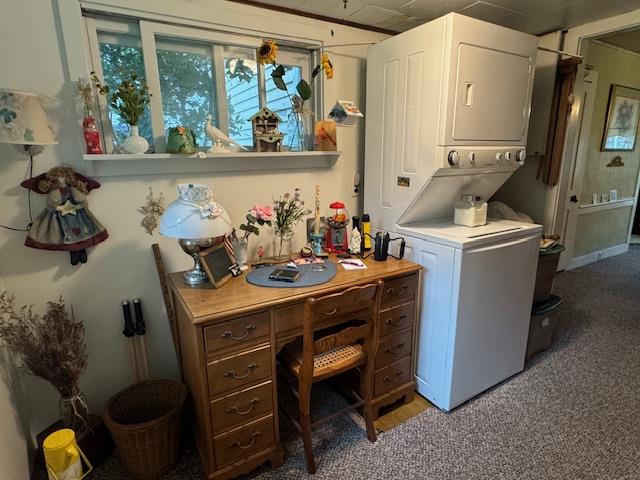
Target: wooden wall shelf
(112, 165)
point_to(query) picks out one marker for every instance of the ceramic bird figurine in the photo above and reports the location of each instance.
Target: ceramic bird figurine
(218, 137)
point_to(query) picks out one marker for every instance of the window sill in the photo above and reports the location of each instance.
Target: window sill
(113, 165)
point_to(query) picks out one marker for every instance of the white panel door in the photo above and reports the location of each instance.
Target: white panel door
(492, 95)
(494, 309)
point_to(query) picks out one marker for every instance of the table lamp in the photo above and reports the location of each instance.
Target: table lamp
(23, 122)
(196, 221)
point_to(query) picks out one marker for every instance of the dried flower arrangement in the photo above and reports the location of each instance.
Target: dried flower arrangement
(129, 100)
(289, 210)
(51, 346)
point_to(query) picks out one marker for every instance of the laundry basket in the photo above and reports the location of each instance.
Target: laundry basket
(145, 421)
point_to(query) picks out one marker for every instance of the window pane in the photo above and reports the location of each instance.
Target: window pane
(241, 82)
(187, 86)
(121, 56)
(279, 102)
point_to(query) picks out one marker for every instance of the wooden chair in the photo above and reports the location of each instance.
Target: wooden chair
(352, 319)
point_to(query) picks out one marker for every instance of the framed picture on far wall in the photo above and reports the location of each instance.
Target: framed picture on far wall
(621, 127)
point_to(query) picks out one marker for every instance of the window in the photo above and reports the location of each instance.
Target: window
(192, 73)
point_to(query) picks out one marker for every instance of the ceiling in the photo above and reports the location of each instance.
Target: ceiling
(627, 40)
(532, 16)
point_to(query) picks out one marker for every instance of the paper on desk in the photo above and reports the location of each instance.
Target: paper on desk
(352, 264)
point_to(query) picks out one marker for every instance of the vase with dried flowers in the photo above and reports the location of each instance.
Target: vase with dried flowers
(258, 214)
(89, 126)
(289, 211)
(129, 101)
(51, 347)
(301, 116)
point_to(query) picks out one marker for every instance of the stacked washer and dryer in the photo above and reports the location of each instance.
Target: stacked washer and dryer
(447, 114)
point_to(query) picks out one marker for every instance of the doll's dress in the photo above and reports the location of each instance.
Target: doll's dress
(66, 223)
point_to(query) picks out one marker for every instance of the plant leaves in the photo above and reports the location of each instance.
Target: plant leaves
(251, 218)
(278, 72)
(304, 90)
(260, 221)
(279, 83)
(316, 71)
(243, 227)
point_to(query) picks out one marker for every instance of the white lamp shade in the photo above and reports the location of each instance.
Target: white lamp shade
(194, 215)
(23, 120)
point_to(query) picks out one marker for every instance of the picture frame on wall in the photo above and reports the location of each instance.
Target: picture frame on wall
(621, 126)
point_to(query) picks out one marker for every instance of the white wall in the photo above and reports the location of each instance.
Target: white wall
(33, 45)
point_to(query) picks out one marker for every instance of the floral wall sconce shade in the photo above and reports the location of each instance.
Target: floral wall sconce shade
(23, 121)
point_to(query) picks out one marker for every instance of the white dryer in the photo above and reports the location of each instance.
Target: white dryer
(447, 114)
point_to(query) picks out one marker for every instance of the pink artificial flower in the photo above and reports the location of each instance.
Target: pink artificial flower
(263, 212)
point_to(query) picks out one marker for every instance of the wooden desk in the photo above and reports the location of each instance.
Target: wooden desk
(228, 339)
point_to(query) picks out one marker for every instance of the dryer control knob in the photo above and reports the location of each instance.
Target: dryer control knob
(521, 156)
(472, 157)
(508, 155)
(453, 158)
(499, 157)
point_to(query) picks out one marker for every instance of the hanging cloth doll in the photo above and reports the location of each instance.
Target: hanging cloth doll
(66, 222)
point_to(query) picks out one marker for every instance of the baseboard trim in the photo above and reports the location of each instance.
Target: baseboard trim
(583, 260)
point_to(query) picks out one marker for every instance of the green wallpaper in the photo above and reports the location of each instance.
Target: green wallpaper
(613, 67)
(600, 230)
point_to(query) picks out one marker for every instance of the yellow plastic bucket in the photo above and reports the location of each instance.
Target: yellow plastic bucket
(63, 456)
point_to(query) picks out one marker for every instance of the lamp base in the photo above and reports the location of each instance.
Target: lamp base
(197, 275)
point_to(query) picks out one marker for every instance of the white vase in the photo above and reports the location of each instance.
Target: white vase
(134, 143)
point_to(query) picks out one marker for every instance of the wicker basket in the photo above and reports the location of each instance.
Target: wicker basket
(145, 422)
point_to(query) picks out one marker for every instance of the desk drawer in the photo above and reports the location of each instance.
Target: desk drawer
(243, 441)
(393, 347)
(397, 318)
(392, 377)
(399, 290)
(238, 370)
(238, 331)
(242, 407)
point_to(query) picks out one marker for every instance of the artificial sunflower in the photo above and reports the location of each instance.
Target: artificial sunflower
(267, 52)
(327, 66)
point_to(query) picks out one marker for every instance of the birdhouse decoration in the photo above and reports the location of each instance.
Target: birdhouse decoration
(266, 133)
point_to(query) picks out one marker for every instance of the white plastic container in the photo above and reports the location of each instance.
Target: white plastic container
(470, 211)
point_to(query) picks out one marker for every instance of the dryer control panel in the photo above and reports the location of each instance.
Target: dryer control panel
(483, 157)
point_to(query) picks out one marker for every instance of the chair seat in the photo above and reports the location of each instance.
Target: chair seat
(338, 358)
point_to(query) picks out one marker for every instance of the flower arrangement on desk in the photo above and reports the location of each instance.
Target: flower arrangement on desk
(289, 211)
(302, 118)
(129, 101)
(258, 214)
(51, 347)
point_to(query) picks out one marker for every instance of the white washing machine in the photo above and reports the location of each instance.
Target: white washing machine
(476, 304)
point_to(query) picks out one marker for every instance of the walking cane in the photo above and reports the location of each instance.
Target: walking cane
(140, 332)
(129, 332)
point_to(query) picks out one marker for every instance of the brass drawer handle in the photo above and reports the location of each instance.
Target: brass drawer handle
(230, 335)
(232, 373)
(392, 380)
(252, 404)
(331, 312)
(392, 291)
(237, 443)
(390, 321)
(395, 349)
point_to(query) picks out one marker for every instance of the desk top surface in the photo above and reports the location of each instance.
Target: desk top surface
(237, 296)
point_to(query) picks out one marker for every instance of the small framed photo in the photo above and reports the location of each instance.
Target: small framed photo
(604, 198)
(217, 264)
(621, 126)
(613, 195)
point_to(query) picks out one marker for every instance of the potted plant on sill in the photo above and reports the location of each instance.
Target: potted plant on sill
(129, 101)
(51, 347)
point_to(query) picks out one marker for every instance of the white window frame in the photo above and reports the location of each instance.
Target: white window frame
(147, 32)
